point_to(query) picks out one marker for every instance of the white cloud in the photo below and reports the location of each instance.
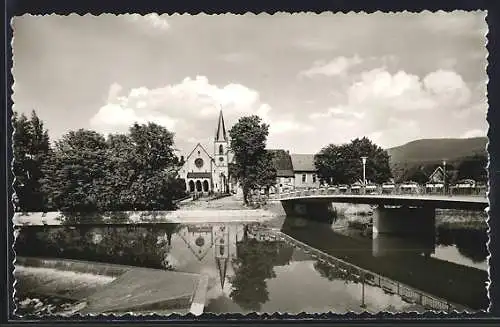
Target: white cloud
(189, 109)
(473, 133)
(406, 92)
(336, 113)
(286, 126)
(152, 20)
(386, 106)
(337, 66)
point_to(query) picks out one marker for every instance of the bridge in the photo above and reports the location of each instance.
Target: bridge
(394, 213)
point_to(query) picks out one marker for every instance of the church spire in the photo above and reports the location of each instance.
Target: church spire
(220, 135)
(222, 268)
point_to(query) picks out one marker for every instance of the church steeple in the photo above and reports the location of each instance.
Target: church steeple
(220, 135)
(222, 268)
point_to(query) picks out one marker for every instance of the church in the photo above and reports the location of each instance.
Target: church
(206, 172)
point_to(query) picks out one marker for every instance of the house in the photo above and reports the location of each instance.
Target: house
(285, 177)
(304, 169)
(206, 172)
(436, 181)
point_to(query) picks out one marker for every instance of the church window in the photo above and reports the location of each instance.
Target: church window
(221, 149)
(198, 162)
(199, 152)
(304, 176)
(221, 159)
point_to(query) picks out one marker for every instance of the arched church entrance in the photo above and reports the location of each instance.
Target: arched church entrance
(205, 186)
(191, 186)
(198, 186)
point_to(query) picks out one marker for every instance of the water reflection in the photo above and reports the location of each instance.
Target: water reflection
(405, 260)
(249, 268)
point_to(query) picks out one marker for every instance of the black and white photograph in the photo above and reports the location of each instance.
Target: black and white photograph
(270, 163)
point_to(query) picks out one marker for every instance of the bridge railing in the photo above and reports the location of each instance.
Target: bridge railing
(417, 190)
(407, 293)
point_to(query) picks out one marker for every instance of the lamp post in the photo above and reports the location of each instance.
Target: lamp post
(363, 304)
(444, 177)
(363, 159)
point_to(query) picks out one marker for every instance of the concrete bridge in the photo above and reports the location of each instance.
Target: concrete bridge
(394, 213)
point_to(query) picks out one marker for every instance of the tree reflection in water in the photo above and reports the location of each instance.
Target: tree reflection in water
(470, 243)
(254, 264)
(130, 245)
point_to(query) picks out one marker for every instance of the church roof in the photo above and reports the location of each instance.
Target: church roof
(282, 163)
(201, 146)
(220, 134)
(303, 162)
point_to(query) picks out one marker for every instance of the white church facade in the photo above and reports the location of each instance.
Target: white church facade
(206, 173)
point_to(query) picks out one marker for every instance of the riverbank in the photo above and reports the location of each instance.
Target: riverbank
(224, 209)
(92, 287)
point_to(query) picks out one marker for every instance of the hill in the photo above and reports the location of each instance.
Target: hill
(466, 158)
(435, 150)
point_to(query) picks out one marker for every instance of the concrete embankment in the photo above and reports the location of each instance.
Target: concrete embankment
(101, 287)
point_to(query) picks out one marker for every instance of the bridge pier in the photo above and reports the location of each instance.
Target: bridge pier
(394, 245)
(404, 220)
(315, 210)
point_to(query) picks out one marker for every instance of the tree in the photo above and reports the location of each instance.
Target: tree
(75, 173)
(341, 164)
(473, 167)
(153, 169)
(30, 150)
(253, 266)
(252, 167)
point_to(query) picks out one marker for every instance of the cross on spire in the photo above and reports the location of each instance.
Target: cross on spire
(220, 135)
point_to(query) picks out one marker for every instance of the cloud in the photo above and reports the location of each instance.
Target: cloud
(336, 113)
(406, 92)
(473, 133)
(237, 57)
(286, 126)
(337, 66)
(396, 106)
(189, 109)
(152, 20)
(314, 45)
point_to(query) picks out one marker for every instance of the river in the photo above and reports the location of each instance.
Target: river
(273, 267)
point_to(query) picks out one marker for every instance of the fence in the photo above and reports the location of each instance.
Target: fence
(359, 275)
(379, 190)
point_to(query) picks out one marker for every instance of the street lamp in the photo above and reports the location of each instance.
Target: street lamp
(364, 169)
(444, 176)
(363, 304)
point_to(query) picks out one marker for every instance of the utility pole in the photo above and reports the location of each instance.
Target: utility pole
(444, 177)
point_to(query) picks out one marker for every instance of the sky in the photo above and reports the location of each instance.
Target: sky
(315, 79)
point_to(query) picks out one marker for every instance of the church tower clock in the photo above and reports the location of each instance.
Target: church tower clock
(221, 145)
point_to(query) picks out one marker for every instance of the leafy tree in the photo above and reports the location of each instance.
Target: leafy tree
(252, 163)
(473, 167)
(74, 175)
(152, 169)
(253, 266)
(416, 174)
(341, 164)
(30, 150)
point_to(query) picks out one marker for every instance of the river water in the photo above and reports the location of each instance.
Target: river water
(275, 266)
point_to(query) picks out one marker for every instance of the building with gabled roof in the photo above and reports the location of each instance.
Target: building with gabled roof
(282, 162)
(305, 172)
(206, 172)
